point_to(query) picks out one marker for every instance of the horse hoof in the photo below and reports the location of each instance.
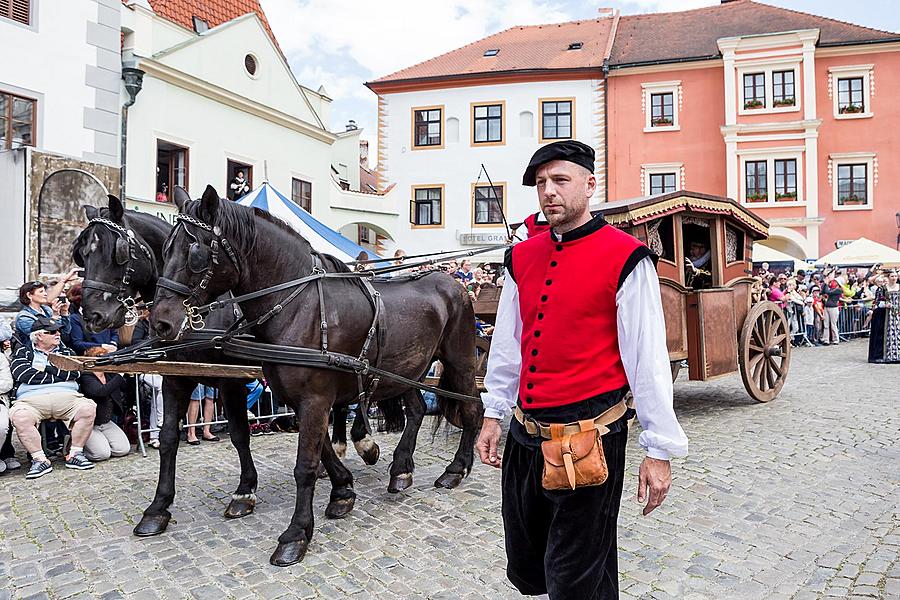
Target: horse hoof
(338, 509)
(289, 553)
(240, 507)
(449, 481)
(400, 482)
(151, 525)
(368, 450)
(321, 473)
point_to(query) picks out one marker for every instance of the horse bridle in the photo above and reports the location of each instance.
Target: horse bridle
(126, 236)
(195, 253)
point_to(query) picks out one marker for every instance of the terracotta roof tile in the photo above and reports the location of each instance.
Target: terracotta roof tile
(214, 12)
(693, 33)
(521, 49)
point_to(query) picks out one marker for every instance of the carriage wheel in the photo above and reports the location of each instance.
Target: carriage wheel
(482, 349)
(765, 351)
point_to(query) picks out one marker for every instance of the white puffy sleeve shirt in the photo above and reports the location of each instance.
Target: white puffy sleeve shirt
(642, 344)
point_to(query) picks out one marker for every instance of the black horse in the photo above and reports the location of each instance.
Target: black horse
(121, 253)
(231, 247)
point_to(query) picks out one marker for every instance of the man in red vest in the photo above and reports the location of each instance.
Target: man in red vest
(580, 322)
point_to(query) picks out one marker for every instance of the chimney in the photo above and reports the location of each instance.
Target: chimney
(351, 125)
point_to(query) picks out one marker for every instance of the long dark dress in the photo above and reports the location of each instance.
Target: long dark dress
(884, 336)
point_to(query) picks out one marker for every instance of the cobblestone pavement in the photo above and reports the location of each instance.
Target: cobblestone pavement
(797, 498)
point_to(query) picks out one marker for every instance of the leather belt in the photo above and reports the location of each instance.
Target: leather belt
(538, 429)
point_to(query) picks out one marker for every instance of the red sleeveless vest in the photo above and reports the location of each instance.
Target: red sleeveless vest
(567, 302)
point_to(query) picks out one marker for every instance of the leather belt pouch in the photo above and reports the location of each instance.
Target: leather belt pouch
(572, 461)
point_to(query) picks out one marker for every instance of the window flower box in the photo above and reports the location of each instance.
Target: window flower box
(786, 197)
(757, 197)
(750, 104)
(660, 121)
(852, 200)
(851, 109)
(784, 102)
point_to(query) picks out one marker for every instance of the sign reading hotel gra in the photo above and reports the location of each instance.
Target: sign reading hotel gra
(842, 243)
(481, 239)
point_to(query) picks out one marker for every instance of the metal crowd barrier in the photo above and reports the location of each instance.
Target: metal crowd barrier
(218, 417)
(854, 318)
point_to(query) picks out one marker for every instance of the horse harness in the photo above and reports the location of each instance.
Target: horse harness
(124, 253)
(202, 260)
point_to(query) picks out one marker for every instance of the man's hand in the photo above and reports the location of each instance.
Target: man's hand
(109, 347)
(654, 480)
(64, 309)
(488, 441)
(72, 275)
(56, 307)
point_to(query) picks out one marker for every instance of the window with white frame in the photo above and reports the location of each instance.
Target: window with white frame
(661, 103)
(769, 86)
(771, 178)
(754, 90)
(661, 178)
(783, 88)
(853, 177)
(851, 92)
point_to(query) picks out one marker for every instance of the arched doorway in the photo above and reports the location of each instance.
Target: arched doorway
(783, 244)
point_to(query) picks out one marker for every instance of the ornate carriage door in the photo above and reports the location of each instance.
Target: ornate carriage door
(59, 218)
(712, 333)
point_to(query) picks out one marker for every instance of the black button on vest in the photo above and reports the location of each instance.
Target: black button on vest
(549, 282)
(534, 352)
(528, 400)
(532, 368)
(558, 247)
(540, 316)
(544, 298)
(537, 333)
(530, 386)
(553, 263)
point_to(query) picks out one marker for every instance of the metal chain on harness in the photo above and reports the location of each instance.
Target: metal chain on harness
(122, 295)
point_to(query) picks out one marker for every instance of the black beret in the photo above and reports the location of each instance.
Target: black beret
(570, 150)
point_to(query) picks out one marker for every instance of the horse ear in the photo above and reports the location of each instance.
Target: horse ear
(116, 209)
(181, 197)
(91, 212)
(209, 204)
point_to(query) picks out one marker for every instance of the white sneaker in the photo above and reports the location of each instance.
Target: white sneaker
(12, 463)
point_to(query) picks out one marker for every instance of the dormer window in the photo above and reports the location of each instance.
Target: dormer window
(200, 25)
(492, 52)
(575, 46)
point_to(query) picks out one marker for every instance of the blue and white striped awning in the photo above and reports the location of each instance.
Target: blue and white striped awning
(321, 237)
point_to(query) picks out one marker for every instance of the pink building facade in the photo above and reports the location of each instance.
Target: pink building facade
(797, 124)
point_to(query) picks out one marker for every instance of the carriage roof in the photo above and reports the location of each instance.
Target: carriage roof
(634, 211)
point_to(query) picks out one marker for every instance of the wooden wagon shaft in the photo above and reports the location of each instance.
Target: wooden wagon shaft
(163, 367)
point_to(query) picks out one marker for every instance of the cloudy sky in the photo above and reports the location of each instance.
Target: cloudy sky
(343, 43)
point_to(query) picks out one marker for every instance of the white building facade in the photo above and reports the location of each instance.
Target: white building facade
(222, 101)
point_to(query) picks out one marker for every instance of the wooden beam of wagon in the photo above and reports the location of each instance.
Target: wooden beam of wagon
(162, 367)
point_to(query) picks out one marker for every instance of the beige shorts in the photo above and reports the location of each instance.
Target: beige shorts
(62, 406)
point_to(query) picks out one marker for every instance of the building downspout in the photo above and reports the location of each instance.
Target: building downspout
(613, 30)
(134, 80)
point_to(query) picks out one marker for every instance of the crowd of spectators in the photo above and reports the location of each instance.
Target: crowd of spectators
(823, 305)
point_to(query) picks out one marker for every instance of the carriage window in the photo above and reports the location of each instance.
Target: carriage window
(661, 238)
(698, 263)
(734, 244)
(425, 207)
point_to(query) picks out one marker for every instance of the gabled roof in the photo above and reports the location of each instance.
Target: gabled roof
(527, 48)
(214, 12)
(692, 34)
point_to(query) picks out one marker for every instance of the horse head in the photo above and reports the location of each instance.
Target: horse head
(200, 263)
(117, 265)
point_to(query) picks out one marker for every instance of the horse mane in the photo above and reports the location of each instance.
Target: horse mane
(240, 223)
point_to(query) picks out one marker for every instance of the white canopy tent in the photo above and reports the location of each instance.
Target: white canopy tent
(763, 254)
(862, 253)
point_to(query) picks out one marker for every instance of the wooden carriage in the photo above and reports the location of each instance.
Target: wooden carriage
(713, 319)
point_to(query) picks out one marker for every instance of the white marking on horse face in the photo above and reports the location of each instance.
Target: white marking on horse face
(106, 296)
(364, 445)
(95, 240)
(340, 449)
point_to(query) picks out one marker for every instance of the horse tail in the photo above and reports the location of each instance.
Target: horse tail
(394, 417)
